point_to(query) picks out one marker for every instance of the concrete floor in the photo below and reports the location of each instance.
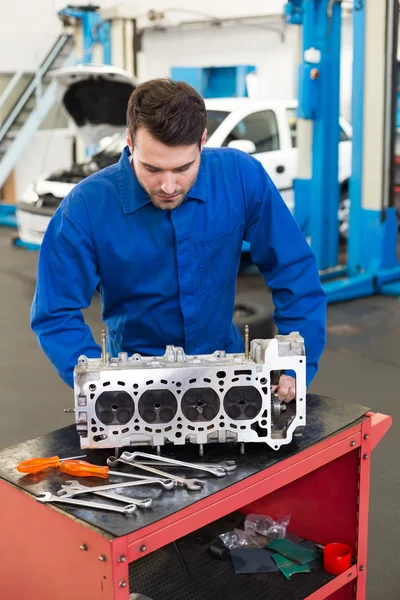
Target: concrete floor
(361, 364)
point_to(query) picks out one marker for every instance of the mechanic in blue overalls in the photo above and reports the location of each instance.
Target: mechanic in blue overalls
(159, 235)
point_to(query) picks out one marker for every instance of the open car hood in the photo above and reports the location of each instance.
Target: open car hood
(96, 98)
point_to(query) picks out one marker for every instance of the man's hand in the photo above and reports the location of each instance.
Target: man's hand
(286, 389)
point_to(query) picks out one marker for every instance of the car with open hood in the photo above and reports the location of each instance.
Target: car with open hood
(95, 98)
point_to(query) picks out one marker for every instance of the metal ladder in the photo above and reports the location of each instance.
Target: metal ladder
(33, 103)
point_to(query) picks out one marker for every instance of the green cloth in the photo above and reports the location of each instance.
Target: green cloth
(288, 567)
(294, 552)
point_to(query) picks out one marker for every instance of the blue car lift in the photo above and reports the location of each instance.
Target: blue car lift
(94, 29)
(372, 264)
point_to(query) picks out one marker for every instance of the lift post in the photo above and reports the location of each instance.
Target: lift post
(373, 265)
(317, 190)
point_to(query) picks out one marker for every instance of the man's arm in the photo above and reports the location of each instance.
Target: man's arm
(288, 265)
(66, 280)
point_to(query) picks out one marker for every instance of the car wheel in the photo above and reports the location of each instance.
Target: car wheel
(254, 307)
(344, 212)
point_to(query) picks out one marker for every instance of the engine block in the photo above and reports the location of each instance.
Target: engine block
(178, 399)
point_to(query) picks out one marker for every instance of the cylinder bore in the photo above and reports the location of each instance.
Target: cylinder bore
(242, 403)
(114, 407)
(157, 406)
(200, 404)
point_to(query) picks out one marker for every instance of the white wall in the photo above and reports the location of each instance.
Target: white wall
(240, 45)
(28, 27)
(276, 61)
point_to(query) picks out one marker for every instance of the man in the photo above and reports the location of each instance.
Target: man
(159, 235)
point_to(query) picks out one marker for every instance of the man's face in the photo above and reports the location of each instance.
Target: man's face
(166, 172)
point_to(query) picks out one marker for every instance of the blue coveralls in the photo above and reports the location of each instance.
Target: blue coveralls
(168, 277)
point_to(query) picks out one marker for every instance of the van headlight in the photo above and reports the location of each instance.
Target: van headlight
(30, 196)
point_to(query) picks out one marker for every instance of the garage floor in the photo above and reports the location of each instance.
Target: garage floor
(361, 364)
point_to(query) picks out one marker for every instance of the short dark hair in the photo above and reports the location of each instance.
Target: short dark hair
(172, 112)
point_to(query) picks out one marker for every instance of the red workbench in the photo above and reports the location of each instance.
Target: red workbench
(55, 552)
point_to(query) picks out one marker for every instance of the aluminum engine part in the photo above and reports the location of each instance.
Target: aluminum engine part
(150, 401)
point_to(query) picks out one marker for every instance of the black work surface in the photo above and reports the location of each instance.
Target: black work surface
(189, 570)
(325, 417)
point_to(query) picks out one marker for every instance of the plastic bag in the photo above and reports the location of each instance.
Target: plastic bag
(238, 539)
(266, 526)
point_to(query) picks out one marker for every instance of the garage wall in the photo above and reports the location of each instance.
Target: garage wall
(273, 58)
(28, 27)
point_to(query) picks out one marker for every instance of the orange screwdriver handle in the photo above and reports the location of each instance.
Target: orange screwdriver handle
(80, 468)
(35, 465)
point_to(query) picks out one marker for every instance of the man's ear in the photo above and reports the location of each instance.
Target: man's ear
(203, 139)
(129, 140)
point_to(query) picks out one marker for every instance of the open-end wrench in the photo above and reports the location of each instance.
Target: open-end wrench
(227, 465)
(70, 488)
(136, 456)
(193, 485)
(129, 509)
(78, 488)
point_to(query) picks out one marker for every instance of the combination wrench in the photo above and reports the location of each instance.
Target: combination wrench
(77, 488)
(193, 485)
(70, 488)
(214, 470)
(227, 465)
(129, 509)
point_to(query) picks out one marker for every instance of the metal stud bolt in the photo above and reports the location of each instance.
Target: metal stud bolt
(366, 436)
(83, 547)
(352, 443)
(102, 558)
(362, 568)
(142, 548)
(122, 558)
(365, 456)
(122, 583)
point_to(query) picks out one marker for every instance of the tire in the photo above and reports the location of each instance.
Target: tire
(344, 212)
(254, 307)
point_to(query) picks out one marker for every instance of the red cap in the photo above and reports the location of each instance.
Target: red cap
(337, 558)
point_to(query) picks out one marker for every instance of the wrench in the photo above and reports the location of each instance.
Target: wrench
(141, 477)
(113, 460)
(131, 456)
(194, 485)
(78, 488)
(129, 509)
(167, 481)
(70, 488)
(227, 465)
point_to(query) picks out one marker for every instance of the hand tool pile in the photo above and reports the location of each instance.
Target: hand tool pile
(141, 461)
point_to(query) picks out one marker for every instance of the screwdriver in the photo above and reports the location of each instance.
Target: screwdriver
(80, 468)
(35, 465)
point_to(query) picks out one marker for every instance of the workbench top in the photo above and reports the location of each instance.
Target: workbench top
(325, 418)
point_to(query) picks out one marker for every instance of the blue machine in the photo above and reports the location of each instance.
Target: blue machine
(215, 82)
(93, 30)
(372, 265)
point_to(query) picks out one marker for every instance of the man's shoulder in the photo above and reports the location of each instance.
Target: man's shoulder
(228, 165)
(92, 189)
(105, 177)
(215, 158)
